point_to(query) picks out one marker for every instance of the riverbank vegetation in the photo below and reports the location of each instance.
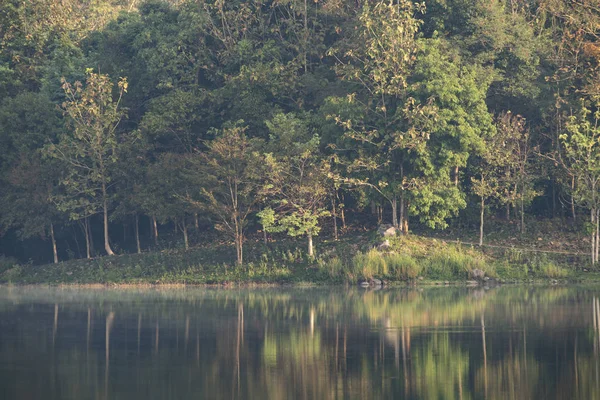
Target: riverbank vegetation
(409, 260)
(162, 133)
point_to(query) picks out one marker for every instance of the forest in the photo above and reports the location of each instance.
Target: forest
(121, 120)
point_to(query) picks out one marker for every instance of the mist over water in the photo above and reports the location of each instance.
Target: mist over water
(450, 343)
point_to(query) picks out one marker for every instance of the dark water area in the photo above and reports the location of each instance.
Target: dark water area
(437, 343)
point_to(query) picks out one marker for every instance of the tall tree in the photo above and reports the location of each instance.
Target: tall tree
(90, 148)
(581, 147)
(298, 180)
(230, 176)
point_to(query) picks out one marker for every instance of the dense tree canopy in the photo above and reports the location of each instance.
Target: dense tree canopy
(199, 114)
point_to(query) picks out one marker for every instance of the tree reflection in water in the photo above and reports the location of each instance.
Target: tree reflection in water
(505, 343)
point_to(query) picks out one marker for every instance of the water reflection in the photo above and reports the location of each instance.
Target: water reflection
(505, 343)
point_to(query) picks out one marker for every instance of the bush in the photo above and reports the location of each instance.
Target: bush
(7, 263)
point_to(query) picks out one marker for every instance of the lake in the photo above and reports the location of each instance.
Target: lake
(317, 343)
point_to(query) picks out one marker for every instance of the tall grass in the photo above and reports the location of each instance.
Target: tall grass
(403, 266)
(368, 265)
(454, 263)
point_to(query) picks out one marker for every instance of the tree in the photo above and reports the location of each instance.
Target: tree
(581, 158)
(297, 180)
(379, 57)
(519, 178)
(29, 181)
(89, 149)
(229, 175)
(27, 202)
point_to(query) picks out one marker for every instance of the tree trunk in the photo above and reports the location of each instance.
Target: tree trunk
(239, 249)
(456, 176)
(92, 248)
(553, 199)
(155, 230)
(196, 224)
(402, 212)
(54, 252)
(305, 36)
(573, 213)
(185, 234)
(343, 214)
(105, 211)
(334, 214)
(522, 215)
(597, 233)
(137, 233)
(405, 221)
(394, 212)
(310, 245)
(508, 212)
(86, 229)
(481, 221)
(593, 221)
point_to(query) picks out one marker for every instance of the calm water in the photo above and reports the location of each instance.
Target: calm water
(439, 343)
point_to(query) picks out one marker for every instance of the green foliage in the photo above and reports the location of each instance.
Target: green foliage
(404, 106)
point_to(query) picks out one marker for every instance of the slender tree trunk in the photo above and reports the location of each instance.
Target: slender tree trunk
(155, 230)
(196, 224)
(86, 229)
(185, 234)
(305, 36)
(593, 220)
(573, 213)
(553, 199)
(394, 212)
(405, 222)
(310, 245)
(481, 221)
(137, 233)
(342, 213)
(522, 215)
(508, 211)
(334, 214)
(239, 246)
(456, 176)
(92, 247)
(239, 240)
(402, 212)
(54, 252)
(597, 233)
(105, 211)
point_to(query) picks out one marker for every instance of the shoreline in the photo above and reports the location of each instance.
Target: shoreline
(406, 261)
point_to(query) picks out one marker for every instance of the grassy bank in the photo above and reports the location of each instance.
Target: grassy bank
(409, 259)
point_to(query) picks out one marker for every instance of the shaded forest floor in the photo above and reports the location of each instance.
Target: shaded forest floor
(550, 251)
